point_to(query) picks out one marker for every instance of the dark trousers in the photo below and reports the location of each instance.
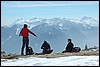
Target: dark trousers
(25, 43)
(46, 51)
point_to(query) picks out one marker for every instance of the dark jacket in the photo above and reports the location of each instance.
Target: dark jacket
(69, 47)
(45, 46)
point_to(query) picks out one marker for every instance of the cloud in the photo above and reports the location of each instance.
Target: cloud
(28, 4)
(45, 3)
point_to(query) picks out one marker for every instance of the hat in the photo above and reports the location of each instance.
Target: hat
(69, 39)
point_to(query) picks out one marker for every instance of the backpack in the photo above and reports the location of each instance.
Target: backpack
(30, 51)
(49, 51)
(76, 49)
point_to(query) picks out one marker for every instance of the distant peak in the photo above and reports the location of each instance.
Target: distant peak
(89, 20)
(85, 17)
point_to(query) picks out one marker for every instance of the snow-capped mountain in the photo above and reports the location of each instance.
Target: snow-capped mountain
(55, 30)
(89, 21)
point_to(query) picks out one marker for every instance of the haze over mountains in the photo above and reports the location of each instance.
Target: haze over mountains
(55, 31)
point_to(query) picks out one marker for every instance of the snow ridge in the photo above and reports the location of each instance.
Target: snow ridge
(55, 21)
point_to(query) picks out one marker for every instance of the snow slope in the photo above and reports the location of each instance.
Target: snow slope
(61, 61)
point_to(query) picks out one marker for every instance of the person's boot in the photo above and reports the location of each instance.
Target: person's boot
(22, 50)
(27, 52)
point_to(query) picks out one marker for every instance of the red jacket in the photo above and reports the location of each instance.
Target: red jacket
(24, 32)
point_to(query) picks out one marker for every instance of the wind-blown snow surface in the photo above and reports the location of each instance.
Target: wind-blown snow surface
(61, 61)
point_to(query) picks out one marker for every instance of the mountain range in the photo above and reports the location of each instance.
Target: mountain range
(55, 31)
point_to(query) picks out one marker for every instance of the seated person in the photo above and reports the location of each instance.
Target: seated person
(69, 46)
(46, 48)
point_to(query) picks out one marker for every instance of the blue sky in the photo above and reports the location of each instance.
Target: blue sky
(12, 10)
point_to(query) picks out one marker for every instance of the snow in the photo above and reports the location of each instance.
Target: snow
(89, 21)
(61, 61)
(17, 32)
(60, 25)
(55, 20)
(4, 26)
(9, 37)
(49, 32)
(74, 20)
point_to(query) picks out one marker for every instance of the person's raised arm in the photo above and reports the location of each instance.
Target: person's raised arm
(32, 33)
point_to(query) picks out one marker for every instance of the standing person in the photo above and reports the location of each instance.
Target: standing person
(69, 46)
(24, 33)
(46, 48)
